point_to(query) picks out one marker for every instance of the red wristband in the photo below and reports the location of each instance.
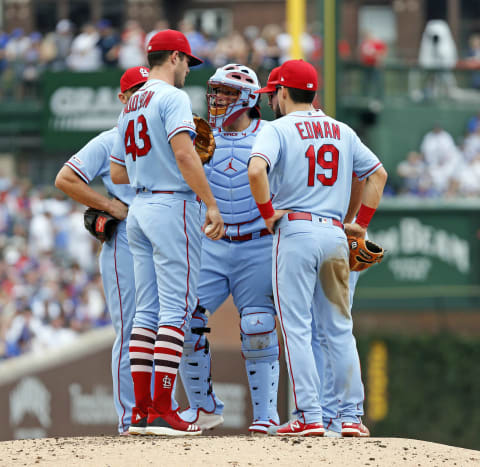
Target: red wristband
(365, 215)
(266, 209)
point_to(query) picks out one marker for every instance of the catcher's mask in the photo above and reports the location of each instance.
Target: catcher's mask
(240, 78)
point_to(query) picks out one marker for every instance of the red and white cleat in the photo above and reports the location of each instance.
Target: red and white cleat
(169, 424)
(355, 430)
(297, 428)
(139, 422)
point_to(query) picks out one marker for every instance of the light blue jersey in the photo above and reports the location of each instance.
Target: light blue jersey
(153, 115)
(311, 158)
(116, 269)
(93, 160)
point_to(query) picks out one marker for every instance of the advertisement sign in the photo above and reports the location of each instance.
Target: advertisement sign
(430, 259)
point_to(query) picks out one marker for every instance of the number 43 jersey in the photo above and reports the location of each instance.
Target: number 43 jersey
(152, 117)
(311, 158)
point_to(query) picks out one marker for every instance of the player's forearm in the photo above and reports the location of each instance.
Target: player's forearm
(355, 199)
(68, 182)
(192, 171)
(374, 185)
(119, 174)
(257, 176)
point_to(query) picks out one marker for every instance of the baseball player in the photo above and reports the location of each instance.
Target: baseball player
(326, 391)
(310, 159)
(116, 264)
(154, 153)
(239, 264)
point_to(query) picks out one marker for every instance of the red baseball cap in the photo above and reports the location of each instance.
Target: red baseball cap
(169, 39)
(298, 74)
(133, 76)
(271, 82)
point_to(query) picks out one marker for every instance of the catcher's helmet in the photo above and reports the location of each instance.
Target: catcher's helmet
(235, 76)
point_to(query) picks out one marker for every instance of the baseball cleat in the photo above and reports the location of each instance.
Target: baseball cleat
(297, 428)
(205, 420)
(139, 422)
(355, 430)
(332, 434)
(259, 427)
(169, 424)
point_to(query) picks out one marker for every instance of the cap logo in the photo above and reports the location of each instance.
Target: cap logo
(309, 85)
(143, 72)
(282, 79)
(149, 47)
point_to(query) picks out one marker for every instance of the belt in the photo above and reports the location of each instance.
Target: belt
(155, 192)
(146, 190)
(246, 237)
(306, 216)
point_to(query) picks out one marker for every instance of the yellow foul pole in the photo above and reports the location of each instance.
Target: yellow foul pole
(296, 11)
(330, 58)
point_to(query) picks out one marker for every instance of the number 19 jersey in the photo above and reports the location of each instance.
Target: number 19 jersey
(311, 158)
(154, 114)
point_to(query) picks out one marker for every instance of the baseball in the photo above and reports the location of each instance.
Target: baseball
(208, 229)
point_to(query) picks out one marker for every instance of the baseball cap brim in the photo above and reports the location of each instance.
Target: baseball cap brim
(194, 61)
(270, 87)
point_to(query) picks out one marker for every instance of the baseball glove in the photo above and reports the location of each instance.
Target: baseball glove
(100, 224)
(363, 253)
(204, 141)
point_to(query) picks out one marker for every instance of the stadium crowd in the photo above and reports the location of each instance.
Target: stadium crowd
(23, 57)
(441, 168)
(50, 288)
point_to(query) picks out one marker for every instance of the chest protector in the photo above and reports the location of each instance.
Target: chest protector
(228, 178)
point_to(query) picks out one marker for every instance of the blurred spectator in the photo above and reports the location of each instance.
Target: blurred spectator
(268, 47)
(373, 52)
(132, 47)
(471, 145)
(61, 43)
(197, 40)
(230, 49)
(442, 157)
(438, 53)
(85, 54)
(416, 178)
(108, 43)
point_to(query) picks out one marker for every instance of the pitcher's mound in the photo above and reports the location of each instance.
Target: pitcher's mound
(231, 451)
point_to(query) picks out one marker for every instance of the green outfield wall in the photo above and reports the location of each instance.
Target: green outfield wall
(424, 387)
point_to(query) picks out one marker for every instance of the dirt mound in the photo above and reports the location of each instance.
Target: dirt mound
(231, 451)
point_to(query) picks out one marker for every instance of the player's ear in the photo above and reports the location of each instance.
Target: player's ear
(122, 98)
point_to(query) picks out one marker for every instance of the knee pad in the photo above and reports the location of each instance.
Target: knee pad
(194, 336)
(259, 337)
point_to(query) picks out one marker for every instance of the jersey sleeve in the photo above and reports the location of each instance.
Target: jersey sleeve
(267, 146)
(118, 151)
(178, 114)
(365, 162)
(90, 161)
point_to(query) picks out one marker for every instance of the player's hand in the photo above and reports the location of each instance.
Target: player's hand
(117, 209)
(355, 230)
(271, 221)
(214, 220)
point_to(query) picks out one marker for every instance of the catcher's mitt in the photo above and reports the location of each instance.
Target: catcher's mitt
(204, 141)
(100, 224)
(363, 253)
